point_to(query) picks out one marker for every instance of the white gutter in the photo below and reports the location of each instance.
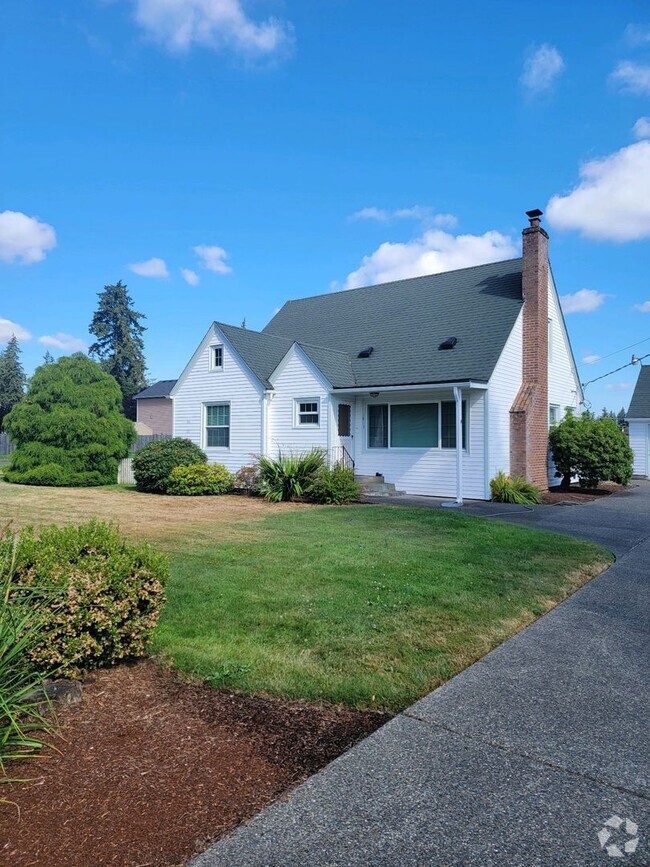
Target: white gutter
(458, 397)
(427, 386)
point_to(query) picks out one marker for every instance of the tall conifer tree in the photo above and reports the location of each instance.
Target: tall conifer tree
(12, 377)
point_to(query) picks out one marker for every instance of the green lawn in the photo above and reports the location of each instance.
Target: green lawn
(368, 606)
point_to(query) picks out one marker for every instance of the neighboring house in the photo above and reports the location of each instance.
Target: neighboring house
(638, 417)
(386, 376)
(155, 408)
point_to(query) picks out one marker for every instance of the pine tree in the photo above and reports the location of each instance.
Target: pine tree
(119, 346)
(12, 377)
(48, 358)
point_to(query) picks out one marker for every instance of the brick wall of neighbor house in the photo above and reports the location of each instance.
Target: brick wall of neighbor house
(157, 413)
(529, 413)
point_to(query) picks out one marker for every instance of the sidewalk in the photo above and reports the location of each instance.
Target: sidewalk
(519, 760)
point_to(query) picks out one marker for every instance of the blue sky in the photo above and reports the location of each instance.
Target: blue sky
(275, 149)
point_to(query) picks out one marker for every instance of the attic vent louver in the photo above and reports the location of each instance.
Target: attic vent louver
(366, 353)
(449, 343)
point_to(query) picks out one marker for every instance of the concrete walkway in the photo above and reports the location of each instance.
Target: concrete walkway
(520, 759)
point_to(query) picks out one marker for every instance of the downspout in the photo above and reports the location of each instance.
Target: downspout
(458, 397)
(265, 422)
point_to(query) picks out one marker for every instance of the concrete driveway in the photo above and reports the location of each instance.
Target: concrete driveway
(522, 759)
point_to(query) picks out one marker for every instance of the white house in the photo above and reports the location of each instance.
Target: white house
(384, 377)
(638, 418)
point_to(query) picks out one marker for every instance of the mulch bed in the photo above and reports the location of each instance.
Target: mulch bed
(151, 770)
(575, 494)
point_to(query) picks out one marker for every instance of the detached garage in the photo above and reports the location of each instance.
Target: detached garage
(638, 417)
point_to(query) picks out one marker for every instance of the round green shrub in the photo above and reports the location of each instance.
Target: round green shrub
(334, 486)
(200, 479)
(153, 464)
(593, 449)
(103, 595)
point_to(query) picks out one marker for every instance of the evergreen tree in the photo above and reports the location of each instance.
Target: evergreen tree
(48, 358)
(12, 377)
(119, 346)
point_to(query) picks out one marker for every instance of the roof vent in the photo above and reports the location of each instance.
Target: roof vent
(448, 343)
(366, 353)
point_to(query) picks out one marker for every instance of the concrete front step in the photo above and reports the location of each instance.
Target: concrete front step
(375, 485)
(369, 480)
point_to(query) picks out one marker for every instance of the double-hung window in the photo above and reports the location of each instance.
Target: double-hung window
(216, 358)
(308, 412)
(217, 425)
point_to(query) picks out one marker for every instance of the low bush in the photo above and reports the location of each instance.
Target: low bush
(288, 477)
(247, 480)
(335, 485)
(153, 464)
(22, 723)
(514, 489)
(109, 594)
(200, 479)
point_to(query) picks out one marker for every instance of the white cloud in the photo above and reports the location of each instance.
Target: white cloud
(644, 307)
(637, 35)
(9, 328)
(542, 68)
(590, 359)
(632, 77)
(212, 258)
(582, 301)
(433, 252)
(190, 276)
(416, 212)
(25, 239)
(60, 340)
(641, 128)
(151, 268)
(619, 386)
(216, 24)
(612, 200)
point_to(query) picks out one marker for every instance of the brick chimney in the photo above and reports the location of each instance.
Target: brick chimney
(529, 412)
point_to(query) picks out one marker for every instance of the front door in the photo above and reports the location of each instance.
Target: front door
(345, 429)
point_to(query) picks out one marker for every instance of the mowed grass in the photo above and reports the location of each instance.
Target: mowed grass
(370, 606)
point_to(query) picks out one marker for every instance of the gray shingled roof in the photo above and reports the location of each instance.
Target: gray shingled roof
(405, 322)
(158, 389)
(261, 352)
(640, 403)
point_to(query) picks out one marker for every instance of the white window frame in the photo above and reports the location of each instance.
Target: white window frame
(438, 448)
(296, 412)
(213, 364)
(216, 427)
(558, 408)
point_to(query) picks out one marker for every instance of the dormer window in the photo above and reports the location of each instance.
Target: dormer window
(216, 358)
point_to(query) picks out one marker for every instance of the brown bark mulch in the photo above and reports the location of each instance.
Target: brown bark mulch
(151, 770)
(576, 495)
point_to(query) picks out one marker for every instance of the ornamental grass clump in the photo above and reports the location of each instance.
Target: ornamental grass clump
(200, 480)
(23, 723)
(289, 476)
(514, 489)
(109, 593)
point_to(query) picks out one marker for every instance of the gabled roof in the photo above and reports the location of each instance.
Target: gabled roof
(640, 403)
(261, 352)
(158, 389)
(405, 322)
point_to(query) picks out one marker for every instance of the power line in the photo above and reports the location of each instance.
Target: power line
(631, 346)
(629, 364)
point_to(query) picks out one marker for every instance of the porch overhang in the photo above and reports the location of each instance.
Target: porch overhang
(420, 386)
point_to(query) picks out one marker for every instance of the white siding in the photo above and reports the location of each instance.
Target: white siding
(296, 379)
(503, 387)
(563, 387)
(431, 472)
(639, 441)
(235, 385)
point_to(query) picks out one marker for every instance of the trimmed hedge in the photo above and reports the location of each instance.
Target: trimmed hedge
(199, 479)
(152, 465)
(102, 594)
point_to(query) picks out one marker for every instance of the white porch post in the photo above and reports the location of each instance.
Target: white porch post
(458, 397)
